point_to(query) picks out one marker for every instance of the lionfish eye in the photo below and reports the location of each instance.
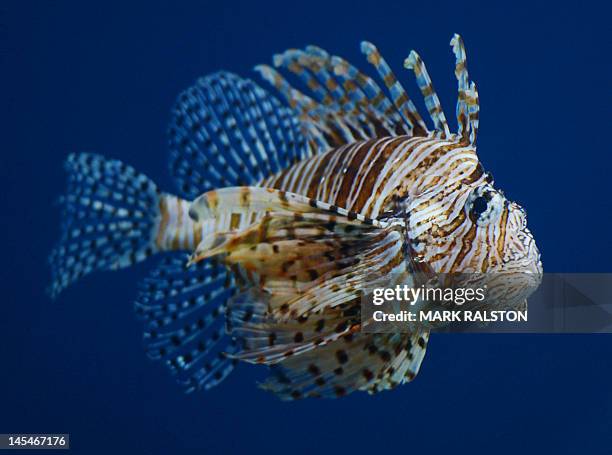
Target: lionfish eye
(479, 206)
(484, 205)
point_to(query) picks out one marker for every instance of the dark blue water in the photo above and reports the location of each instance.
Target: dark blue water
(103, 77)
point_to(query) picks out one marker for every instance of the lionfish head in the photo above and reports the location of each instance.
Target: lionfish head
(499, 226)
(477, 230)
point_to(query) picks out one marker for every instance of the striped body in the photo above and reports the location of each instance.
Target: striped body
(365, 177)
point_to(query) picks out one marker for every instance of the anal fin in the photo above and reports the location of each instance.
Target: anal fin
(360, 361)
(184, 313)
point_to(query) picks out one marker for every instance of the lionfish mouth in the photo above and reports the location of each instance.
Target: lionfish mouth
(536, 263)
(533, 255)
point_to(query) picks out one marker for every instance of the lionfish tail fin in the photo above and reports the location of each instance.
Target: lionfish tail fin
(110, 215)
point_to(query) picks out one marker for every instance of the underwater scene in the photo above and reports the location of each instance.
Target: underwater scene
(271, 227)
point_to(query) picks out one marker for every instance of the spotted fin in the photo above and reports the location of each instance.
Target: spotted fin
(226, 131)
(312, 296)
(467, 101)
(359, 361)
(399, 96)
(232, 214)
(246, 199)
(184, 314)
(432, 102)
(310, 264)
(110, 216)
(276, 216)
(265, 339)
(341, 105)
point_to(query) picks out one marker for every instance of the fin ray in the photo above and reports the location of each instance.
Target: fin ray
(110, 216)
(367, 362)
(226, 130)
(184, 314)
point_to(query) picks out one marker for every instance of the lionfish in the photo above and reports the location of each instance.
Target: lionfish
(285, 211)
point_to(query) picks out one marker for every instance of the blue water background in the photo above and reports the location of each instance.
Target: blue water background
(102, 76)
